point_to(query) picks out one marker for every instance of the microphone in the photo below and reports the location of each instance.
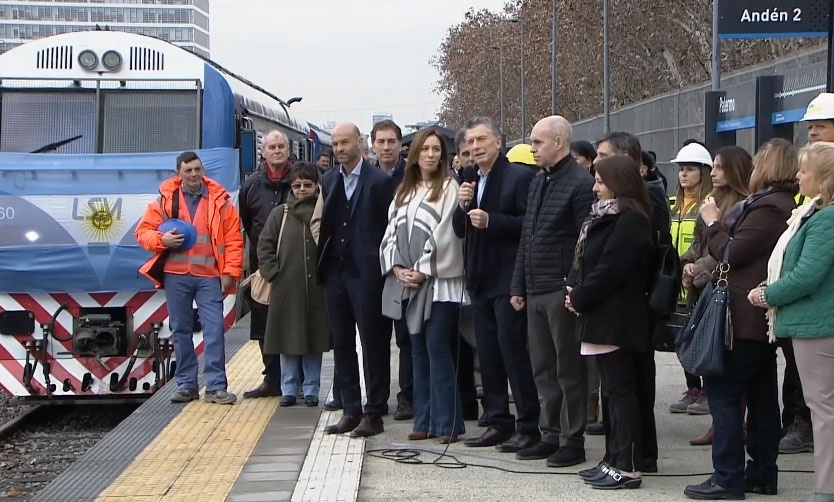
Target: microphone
(470, 175)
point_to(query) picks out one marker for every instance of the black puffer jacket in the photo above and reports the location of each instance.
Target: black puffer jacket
(557, 204)
(258, 196)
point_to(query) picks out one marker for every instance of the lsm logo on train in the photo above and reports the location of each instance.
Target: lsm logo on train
(101, 214)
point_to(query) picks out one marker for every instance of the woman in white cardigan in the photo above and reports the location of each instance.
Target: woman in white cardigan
(422, 260)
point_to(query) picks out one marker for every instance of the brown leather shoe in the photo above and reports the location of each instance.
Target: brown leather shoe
(704, 440)
(369, 426)
(418, 436)
(448, 439)
(346, 424)
(262, 390)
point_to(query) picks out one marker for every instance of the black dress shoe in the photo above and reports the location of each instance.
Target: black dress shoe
(708, 490)
(518, 442)
(369, 426)
(491, 437)
(751, 486)
(346, 424)
(311, 401)
(538, 451)
(405, 410)
(287, 401)
(595, 429)
(566, 457)
(482, 421)
(262, 390)
(333, 405)
(615, 480)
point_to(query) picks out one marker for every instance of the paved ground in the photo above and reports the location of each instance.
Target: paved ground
(387, 480)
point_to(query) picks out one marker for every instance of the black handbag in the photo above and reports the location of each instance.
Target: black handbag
(665, 287)
(708, 332)
(157, 270)
(666, 331)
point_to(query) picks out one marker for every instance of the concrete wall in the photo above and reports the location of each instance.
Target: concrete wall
(664, 122)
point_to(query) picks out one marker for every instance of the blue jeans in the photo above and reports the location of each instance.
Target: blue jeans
(298, 369)
(749, 371)
(437, 406)
(181, 291)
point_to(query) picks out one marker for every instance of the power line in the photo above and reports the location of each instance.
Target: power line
(371, 108)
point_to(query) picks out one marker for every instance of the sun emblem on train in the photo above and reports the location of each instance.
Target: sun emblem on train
(101, 219)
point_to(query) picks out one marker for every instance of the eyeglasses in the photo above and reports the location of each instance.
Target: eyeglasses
(303, 184)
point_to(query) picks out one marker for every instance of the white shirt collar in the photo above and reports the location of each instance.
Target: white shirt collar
(356, 170)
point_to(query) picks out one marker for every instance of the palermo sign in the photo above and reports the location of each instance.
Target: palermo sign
(773, 18)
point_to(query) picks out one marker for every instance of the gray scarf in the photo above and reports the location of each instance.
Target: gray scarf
(599, 209)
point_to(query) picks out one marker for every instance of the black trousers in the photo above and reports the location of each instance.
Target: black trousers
(749, 371)
(351, 302)
(257, 330)
(793, 400)
(501, 338)
(621, 372)
(406, 371)
(645, 390)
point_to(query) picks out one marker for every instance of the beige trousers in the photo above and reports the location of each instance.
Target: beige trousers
(815, 360)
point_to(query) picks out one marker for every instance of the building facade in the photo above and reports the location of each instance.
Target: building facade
(181, 22)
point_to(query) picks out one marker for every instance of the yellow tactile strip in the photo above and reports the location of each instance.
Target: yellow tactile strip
(200, 454)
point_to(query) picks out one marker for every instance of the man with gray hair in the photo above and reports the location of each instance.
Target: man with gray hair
(266, 189)
(560, 198)
(493, 200)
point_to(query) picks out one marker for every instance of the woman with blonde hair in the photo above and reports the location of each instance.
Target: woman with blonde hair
(799, 296)
(743, 241)
(422, 260)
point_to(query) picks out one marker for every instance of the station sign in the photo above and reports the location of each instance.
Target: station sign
(773, 18)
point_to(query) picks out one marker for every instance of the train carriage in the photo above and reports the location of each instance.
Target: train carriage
(90, 124)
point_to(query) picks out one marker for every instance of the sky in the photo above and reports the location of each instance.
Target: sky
(347, 59)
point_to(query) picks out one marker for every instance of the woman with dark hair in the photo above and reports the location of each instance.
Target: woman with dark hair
(751, 229)
(607, 290)
(584, 153)
(422, 260)
(731, 170)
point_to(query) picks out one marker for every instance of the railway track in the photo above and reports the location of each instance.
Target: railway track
(39, 443)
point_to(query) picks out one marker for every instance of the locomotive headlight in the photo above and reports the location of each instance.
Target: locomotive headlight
(112, 60)
(88, 59)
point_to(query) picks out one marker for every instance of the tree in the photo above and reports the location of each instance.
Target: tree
(656, 46)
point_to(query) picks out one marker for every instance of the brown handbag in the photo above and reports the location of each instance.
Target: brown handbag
(258, 285)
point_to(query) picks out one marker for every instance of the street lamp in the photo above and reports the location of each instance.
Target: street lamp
(606, 70)
(553, 61)
(518, 19)
(500, 49)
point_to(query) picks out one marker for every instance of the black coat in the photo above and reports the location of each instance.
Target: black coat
(491, 252)
(369, 210)
(557, 205)
(661, 212)
(611, 289)
(257, 198)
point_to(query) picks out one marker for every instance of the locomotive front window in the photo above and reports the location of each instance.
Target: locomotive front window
(47, 121)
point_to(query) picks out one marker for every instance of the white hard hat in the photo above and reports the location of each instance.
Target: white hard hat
(693, 153)
(820, 108)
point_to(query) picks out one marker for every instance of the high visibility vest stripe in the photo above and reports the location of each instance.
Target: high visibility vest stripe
(200, 260)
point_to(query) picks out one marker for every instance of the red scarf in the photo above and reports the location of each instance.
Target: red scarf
(278, 175)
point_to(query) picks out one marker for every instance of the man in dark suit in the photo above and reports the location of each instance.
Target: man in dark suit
(355, 199)
(492, 205)
(387, 140)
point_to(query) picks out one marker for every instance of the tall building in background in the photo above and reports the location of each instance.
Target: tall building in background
(181, 22)
(380, 116)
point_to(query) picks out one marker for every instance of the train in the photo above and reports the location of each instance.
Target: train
(90, 124)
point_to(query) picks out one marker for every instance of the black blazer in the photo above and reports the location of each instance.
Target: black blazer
(491, 252)
(610, 291)
(369, 212)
